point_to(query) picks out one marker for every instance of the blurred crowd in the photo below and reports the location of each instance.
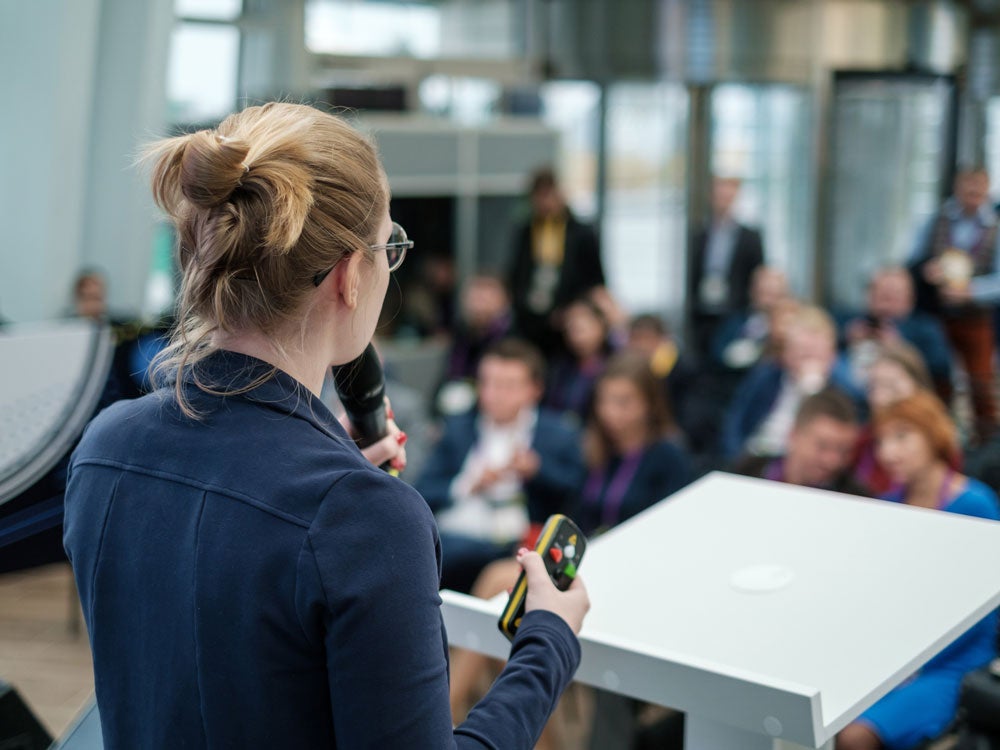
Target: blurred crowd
(554, 399)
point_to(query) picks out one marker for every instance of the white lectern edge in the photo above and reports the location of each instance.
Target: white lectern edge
(846, 715)
(756, 704)
(614, 664)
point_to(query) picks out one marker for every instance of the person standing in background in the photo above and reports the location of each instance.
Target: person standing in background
(722, 259)
(90, 295)
(556, 259)
(955, 269)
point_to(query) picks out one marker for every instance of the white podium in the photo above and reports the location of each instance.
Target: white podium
(765, 610)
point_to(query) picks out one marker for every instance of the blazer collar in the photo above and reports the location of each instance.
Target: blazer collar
(261, 383)
(986, 215)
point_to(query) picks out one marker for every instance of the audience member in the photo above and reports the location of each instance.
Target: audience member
(891, 317)
(723, 256)
(556, 259)
(587, 346)
(917, 443)
(90, 295)
(762, 411)
(744, 336)
(630, 446)
(897, 372)
(427, 305)
(680, 381)
(958, 279)
(617, 317)
(90, 301)
(501, 468)
(633, 463)
(484, 319)
(820, 446)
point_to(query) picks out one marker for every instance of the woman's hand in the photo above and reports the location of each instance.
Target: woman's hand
(390, 449)
(571, 605)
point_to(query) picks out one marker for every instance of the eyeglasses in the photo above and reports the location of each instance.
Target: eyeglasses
(395, 252)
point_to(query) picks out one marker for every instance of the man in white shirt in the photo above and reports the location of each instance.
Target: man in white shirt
(501, 469)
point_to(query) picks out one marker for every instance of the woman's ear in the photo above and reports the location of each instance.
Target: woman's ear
(348, 279)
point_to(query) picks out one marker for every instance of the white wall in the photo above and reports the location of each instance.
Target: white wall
(83, 83)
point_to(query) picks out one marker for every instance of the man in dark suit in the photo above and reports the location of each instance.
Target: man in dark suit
(556, 259)
(889, 317)
(723, 256)
(501, 469)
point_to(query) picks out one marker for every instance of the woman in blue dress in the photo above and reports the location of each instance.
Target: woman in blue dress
(917, 446)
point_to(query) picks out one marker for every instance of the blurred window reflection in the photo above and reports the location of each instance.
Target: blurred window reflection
(202, 72)
(762, 134)
(993, 145)
(384, 28)
(644, 233)
(470, 101)
(210, 10)
(573, 109)
(890, 139)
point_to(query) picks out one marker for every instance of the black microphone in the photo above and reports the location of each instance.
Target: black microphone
(360, 386)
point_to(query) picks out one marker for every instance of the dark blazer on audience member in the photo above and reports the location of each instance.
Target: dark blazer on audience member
(552, 490)
(663, 469)
(756, 396)
(763, 466)
(925, 333)
(581, 271)
(748, 253)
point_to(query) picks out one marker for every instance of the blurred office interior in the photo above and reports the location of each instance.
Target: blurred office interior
(844, 120)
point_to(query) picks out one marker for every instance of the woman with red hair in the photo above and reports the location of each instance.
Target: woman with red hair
(917, 446)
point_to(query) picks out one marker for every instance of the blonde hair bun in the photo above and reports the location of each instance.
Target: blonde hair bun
(211, 168)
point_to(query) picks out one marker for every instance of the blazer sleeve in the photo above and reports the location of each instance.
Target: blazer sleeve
(696, 254)
(726, 333)
(751, 402)
(591, 265)
(667, 469)
(375, 555)
(519, 270)
(927, 335)
(750, 254)
(445, 462)
(561, 472)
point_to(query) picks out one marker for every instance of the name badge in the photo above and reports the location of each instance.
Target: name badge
(714, 290)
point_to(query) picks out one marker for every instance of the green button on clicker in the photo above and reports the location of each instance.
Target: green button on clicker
(570, 570)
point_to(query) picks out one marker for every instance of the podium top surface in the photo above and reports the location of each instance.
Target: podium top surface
(776, 608)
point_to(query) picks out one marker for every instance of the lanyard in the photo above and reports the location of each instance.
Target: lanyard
(944, 496)
(609, 495)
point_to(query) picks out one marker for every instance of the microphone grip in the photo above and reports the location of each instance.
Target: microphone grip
(369, 425)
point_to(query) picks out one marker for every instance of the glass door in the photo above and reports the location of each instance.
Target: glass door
(644, 228)
(763, 135)
(891, 148)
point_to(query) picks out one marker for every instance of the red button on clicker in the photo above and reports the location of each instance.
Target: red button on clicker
(555, 553)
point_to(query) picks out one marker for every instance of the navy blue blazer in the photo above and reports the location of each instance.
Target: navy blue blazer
(250, 580)
(757, 394)
(552, 490)
(662, 469)
(925, 333)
